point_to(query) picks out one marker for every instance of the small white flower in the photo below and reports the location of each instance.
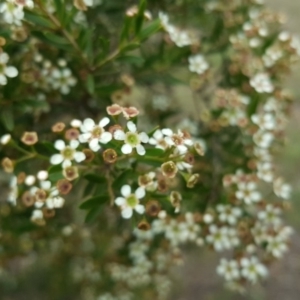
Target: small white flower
(263, 139)
(62, 80)
(276, 246)
(265, 121)
(158, 139)
(252, 269)
(67, 153)
(179, 140)
(265, 171)
(6, 71)
(270, 215)
(228, 213)
(94, 133)
(12, 13)
(247, 192)
(130, 201)
(218, 237)
(132, 139)
(262, 83)
(229, 269)
(281, 189)
(198, 64)
(37, 215)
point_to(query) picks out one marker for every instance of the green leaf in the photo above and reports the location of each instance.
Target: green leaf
(94, 178)
(45, 148)
(55, 169)
(94, 202)
(155, 152)
(130, 47)
(55, 176)
(133, 60)
(154, 27)
(53, 40)
(56, 38)
(125, 34)
(7, 118)
(37, 20)
(90, 84)
(124, 178)
(140, 16)
(92, 215)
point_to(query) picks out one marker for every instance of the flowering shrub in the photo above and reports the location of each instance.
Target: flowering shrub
(161, 127)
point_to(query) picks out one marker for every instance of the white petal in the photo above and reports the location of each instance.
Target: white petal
(140, 209)
(56, 159)
(88, 124)
(167, 131)
(42, 175)
(119, 135)
(126, 149)
(59, 145)
(74, 144)
(144, 137)
(104, 122)
(105, 137)
(83, 138)
(45, 185)
(140, 192)
(76, 123)
(140, 150)
(131, 126)
(11, 72)
(94, 145)
(126, 213)
(126, 190)
(79, 156)
(3, 79)
(66, 163)
(120, 201)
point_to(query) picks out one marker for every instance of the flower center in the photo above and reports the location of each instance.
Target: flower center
(132, 201)
(97, 131)
(68, 153)
(132, 139)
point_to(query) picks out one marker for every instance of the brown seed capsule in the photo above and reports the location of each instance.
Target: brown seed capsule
(48, 213)
(2, 41)
(58, 127)
(28, 199)
(110, 156)
(153, 208)
(41, 195)
(175, 198)
(162, 185)
(64, 186)
(7, 165)
(70, 173)
(192, 180)
(189, 158)
(169, 169)
(72, 134)
(29, 138)
(89, 155)
(19, 34)
(144, 225)
(21, 177)
(80, 4)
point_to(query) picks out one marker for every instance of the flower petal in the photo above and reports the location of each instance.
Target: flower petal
(131, 126)
(11, 72)
(144, 137)
(126, 190)
(74, 144)
(126, 149)
(119, 135)
(79, 156)
(140, 150)
(127, 213)
(94, 145)
(140, 192)
(104, 122)
(140, 209)
(88, 124)
(120, 201)
(105, 137)
(56, 159)
(59, 145)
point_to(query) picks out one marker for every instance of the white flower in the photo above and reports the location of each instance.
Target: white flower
(252, 269)
(270, 215)
(12, 13)
(6, 71)
(37, 215)
(62, 80)
(159, 140)
(263, 139)
(94, 133)
(218, 237)
(130, 201)
(276, 246)
(67, 153)
(281, 189)
(229, 269)
(265, 121)
(179, 140)
(261, 83)
(198, 64)
(228, 213)
(247, 192)
(265, 171)
(132, 139)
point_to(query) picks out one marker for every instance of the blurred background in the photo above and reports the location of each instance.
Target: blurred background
(200, 280)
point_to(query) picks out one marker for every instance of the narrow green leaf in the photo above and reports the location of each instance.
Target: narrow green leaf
(140, 16)
(154, 27)
(7, 118)
(37, 20)
(92, 215)
(55, 176)
(90, 84)
(94, 202)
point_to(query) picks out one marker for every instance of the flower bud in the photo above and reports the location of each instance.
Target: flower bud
(130, 112)
(169, 169)
(110, 156)
(5, 139)
(72, 134)
(153, 208)
(29, 138)
(114, 109)
(7, 165)
(70, 173)
(192, 180)
(144, 225)
(28, 199)
(64, 186)
(58, 127)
